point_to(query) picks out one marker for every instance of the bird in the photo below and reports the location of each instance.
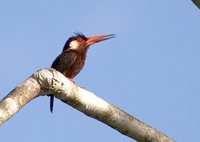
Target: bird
(72, 58)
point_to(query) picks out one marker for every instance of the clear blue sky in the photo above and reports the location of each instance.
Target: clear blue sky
(151, 69)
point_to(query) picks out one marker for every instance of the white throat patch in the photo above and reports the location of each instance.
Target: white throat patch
(74, 44)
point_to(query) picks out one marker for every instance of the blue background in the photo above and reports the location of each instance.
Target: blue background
(150, 70)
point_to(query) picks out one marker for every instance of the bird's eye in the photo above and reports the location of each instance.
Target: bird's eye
(74, 44)
(80, 40)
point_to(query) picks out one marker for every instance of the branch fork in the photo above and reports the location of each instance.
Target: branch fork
(50, 81)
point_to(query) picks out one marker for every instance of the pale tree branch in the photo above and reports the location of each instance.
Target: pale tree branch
(47, 81)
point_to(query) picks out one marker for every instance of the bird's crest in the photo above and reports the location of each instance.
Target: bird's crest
(79, 34)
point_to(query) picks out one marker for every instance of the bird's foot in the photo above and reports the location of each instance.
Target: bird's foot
(72, 80)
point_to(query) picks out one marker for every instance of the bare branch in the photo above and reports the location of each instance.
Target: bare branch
(17, 98)
(48, 81)
(197, 3)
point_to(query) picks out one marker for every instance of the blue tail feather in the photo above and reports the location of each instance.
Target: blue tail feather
(51, 103)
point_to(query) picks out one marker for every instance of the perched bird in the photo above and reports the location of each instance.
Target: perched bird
(72, 59)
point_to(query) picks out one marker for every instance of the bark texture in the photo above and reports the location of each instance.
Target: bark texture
(49, 81)
(17, 98)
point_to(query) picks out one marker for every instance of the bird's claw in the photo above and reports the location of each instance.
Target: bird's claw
(72, 80)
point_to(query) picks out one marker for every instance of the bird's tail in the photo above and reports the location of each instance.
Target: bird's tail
(51, 102)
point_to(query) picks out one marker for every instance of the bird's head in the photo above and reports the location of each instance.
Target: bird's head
(80, 42)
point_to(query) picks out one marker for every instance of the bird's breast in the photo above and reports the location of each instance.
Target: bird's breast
(75, 68)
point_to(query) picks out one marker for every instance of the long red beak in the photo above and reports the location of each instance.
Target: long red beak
(95, 39)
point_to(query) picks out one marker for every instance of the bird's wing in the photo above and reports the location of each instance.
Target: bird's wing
(64, 60)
